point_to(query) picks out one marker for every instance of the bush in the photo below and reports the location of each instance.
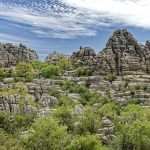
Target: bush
(131, 112)
(89, 123)
(134, 136)
(83, 71)
(68, 85)
(50, 71)
(110, 110)
(45, 134)
(87, 142)
(66, 101)
(54, 92)
(3, 73)
(111, 77)
(64, 64)
(25, 72)
(65, 117)
(7, 142)
(13, 124)
(36, 64)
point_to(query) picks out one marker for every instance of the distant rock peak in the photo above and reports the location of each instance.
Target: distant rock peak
(11, 55)
(122, 55)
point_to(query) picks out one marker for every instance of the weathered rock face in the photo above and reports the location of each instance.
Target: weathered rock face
(54, 57)
(37, 91)
(108, 130)
(10, 55)
(123, 56)
(11, 104)
(85, 56)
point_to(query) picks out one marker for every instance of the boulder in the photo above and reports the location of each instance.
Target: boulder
(48, 101)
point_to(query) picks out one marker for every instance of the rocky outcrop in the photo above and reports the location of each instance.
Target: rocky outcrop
(11, 55)
(84, 57)
(54, 57)
(37, 93)
(12, 103)
(123, 55)
(107, 131)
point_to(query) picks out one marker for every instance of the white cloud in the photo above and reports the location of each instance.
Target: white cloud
(73, 18)
(130, 12)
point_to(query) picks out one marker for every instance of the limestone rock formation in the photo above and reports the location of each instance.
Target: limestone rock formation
(54, 57)
(85, 56)
(11, 55)
(123, 55)
(108, 130)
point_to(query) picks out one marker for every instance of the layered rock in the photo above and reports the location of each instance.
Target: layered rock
(123, 55)
(108, 130)
(11, 55)
(37, 92)
(54, 57)
(84, 57)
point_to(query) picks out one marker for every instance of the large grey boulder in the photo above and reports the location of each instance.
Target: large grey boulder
(48, 101)
(79, 110)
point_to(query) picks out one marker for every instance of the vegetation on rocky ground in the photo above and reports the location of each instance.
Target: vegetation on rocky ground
(65, 129)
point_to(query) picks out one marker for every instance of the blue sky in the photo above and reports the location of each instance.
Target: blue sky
(65, 25)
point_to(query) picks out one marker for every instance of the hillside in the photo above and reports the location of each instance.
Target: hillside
(85, 101)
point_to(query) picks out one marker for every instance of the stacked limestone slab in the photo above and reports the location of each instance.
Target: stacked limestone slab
(122, 55)
(84, 57)
(11, 55)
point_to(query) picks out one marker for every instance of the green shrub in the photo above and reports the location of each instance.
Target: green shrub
(83, 71)
(54, 92)
(65, 117)
(111, 77)
(45, 134)
(8, 142)
(88, 123)
(131, 112)
(22, 90)
(3, 73)
(13, 124)
(110, 110)
(25, 72)
(66, 101)
(68, 85)
(50, 71)
(87, 142)
(36, 64)
(64, 64)
(133, 91)
(134, 136)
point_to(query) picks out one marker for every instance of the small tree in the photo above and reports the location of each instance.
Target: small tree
(50, 71)
(87, 142)
(64, 64)
(83, 71)
(25, 71)
(45, 134)
(36, 64)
